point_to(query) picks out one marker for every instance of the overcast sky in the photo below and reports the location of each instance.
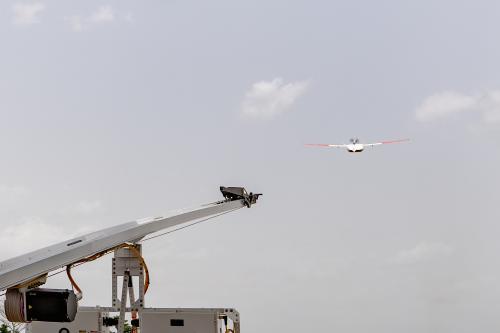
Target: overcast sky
(118, 110)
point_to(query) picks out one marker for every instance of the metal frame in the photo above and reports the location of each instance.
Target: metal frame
(127, 266)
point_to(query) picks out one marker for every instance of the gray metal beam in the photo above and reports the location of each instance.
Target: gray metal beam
(24, 268)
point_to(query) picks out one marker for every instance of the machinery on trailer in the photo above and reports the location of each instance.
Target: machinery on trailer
(127, 268)
(47, 309)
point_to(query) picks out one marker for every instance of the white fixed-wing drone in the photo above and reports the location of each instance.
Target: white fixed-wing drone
(355, 146)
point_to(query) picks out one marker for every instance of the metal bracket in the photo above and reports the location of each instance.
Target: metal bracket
(239, 193)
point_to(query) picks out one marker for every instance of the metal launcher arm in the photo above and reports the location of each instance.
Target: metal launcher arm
(20, 271)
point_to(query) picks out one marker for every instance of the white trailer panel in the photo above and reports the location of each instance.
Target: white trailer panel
(88, 320)
(152, 320)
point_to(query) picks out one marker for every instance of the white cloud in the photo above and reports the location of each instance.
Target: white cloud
(266, 99)
(27, 13)
(422, 252)
(103, 15)
(443, 105)
(446, 104)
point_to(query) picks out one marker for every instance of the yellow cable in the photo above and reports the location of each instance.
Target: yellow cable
(131, 247)
(143, 263)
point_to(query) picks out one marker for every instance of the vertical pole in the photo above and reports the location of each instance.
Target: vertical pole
(123, 305)
(131, 294)
(114, 284)
(140, 299)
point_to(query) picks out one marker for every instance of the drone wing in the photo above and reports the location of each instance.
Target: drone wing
(385, 142)
(325, 145)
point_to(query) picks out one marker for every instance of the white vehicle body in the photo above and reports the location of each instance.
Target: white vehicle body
(354, 146)
(153, 320)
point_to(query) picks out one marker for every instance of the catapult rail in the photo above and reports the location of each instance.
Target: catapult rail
(19, 271)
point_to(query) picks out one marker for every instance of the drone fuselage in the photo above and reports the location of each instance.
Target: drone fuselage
(355, 148)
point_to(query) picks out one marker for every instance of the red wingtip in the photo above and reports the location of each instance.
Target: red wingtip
(395, 141)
